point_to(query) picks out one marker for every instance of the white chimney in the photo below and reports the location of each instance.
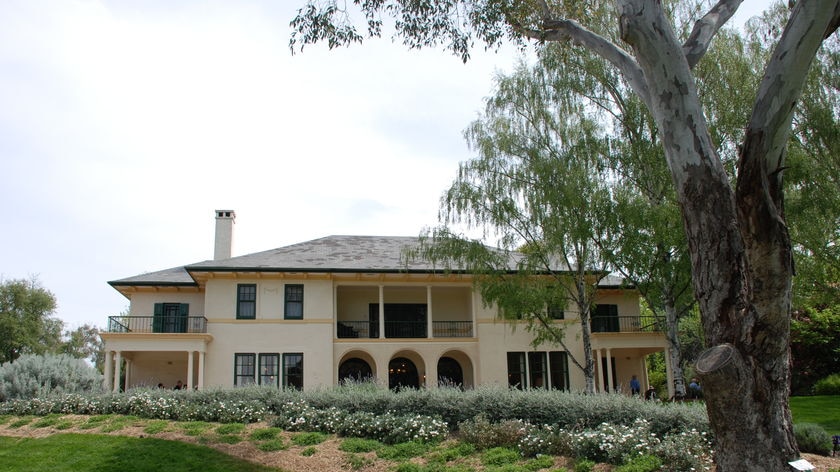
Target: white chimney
(225, 219)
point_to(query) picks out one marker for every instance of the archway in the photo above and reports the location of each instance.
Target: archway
(402, 373)
(450, 373)
(354, 369)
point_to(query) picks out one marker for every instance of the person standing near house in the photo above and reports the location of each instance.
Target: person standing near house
(650, 393)
(694, 389)
(635, 386)
(179, 385)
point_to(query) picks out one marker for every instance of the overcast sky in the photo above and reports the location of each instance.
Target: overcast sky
(123, 125)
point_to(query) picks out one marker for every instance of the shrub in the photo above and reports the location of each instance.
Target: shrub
(812, 438)
(271, 445)
(584, 465)
(828, 386)
(31, 376)
(403, 451)
(264, 434)
(483, 434)
(359, 445)
(309, 451)
(644, 463)
(498, 456)
(309, 439)
(230, 428)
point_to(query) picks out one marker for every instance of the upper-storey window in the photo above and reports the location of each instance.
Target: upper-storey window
(246, 301)
(294, 302)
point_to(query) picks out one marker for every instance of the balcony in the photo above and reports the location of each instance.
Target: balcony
(624, 324)
(157, 324)
(404, 329)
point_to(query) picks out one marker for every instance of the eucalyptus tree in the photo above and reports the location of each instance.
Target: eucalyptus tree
(738, 239)
(537, 185)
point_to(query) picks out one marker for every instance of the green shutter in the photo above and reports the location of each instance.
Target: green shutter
(157, 320)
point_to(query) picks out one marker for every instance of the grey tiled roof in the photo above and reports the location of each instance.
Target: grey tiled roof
(173, 276)
(328, 254)
(332, 253)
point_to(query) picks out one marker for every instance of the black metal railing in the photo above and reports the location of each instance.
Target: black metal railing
(157, 324)
(404, 329)
(452, 329)
(624, 324)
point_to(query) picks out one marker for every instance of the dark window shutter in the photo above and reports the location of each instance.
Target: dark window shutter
(157, 320)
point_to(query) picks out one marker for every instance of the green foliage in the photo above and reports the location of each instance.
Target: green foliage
(812, 438)
(31, 376)
(272, 445)
(498, 456)
(195, 428)
(828, 386)
(75, 452)
(645, 463)
(403, 451)
(264, 434)
(156, 426)
(356, 462)
(359, 445)
(309, 451)
(308, 439)
(584, 465)
(228, 438)
(84, 343)
(230, 428)
(815, 347)
(27, 325)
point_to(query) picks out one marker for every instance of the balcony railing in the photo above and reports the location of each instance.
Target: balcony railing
(452, 329)
(157, 324)
(624, 324)
(404, 329)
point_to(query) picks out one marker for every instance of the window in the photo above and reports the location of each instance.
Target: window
(243, 369)
(270, 369)
(293, 371)
(516, 370)
(246, 301)
(294, 302)
(559, 362)
(539, 369)
(170, 317)
(605, 319)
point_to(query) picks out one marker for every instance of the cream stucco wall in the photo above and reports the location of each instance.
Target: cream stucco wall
(483, 357)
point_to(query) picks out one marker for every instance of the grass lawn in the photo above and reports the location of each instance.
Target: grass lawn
(823, 410)
(97, 452)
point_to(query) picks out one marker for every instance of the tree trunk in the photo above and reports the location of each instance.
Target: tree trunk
(745, 373)
(674, 349)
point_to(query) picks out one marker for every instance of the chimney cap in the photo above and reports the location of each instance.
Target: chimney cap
(225, 214)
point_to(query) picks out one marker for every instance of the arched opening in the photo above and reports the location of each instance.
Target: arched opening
(402, 373)
(354, 370)
(450, 373)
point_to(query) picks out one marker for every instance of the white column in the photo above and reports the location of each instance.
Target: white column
(190, 370)
(201, 370)
(109, 373)
(117, 367)
(610, 386)
(429, 324)
(382, 313)
(127, 374)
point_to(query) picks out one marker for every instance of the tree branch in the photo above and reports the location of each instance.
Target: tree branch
(706, 28)
(565, 30)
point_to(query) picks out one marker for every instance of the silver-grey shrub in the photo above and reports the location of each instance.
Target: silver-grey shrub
(31, 376)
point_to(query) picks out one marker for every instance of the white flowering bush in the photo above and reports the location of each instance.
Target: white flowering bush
(30, 376)
(389, 427)
(620, 444)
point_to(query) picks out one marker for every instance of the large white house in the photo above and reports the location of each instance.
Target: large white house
(314, 313)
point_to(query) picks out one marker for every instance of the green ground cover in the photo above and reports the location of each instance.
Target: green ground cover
(823, 410)
(96, 452)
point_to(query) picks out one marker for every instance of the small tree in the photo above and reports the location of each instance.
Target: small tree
(27, 324)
